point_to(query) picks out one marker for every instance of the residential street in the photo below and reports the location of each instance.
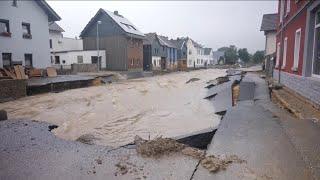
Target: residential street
(270, 145)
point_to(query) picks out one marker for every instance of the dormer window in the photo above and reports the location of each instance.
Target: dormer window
(4, 28)
(26, 33)
(129, 26)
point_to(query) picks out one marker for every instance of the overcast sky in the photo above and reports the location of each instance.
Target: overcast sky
(211, 23)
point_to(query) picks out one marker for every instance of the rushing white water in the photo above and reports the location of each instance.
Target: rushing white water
(114, 113)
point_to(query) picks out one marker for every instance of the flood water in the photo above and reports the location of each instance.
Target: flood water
(114, 113)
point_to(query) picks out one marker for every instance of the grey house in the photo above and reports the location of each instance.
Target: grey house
(164, 52)
(121, 40)
(24, 33)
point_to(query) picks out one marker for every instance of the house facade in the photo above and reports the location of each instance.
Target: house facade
(208, 55)
(24, 33)
(66, 51)
(298, 47)
(118, 37)
(158, 51)
(269, 26)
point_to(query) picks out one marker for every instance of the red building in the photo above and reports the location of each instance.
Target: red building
(298, 47)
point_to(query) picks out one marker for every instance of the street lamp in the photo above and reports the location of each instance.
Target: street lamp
(98, 23)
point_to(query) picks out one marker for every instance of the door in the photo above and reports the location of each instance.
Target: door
(163, 63)
(94, 60)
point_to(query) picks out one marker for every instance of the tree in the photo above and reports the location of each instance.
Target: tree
(258, 56)
(244, 55)
(230, 54)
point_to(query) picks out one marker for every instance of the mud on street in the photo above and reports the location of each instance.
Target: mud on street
(113, 114)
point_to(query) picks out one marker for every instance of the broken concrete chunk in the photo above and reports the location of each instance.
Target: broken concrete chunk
(215, 163)
(192, 80)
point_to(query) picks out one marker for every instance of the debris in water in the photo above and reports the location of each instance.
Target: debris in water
(215, 163)
(87, 139)
(211, 96)
(157, 147)
(192, 80)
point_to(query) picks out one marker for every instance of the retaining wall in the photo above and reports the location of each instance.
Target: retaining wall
(11, 89)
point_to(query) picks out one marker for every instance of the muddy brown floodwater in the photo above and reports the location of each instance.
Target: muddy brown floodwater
(114, 114)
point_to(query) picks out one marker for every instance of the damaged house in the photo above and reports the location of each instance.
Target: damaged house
(121, 40)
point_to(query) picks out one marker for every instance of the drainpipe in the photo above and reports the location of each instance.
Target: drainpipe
(281, 51)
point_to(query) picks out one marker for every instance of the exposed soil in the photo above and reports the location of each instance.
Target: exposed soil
(164, 146)
(215, 163)
(157, 147)
(298, 106)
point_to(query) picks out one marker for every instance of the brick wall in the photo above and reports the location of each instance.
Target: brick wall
(308, 87)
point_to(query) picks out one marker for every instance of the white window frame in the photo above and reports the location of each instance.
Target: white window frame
(281, 10)
(296, 51)
(278, 55)
(288, 7)
(284, 58)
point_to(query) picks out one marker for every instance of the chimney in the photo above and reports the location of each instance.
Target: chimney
(116, 13)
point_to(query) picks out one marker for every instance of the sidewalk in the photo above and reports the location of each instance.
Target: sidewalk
(274, 144)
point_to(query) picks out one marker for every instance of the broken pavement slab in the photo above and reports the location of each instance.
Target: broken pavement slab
(30, 151)
(255, 135)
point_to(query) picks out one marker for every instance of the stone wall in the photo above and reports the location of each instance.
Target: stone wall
(75, 68)
(12, 89)
(308, 87)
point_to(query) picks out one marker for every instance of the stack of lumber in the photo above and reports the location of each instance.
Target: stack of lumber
(17, 72)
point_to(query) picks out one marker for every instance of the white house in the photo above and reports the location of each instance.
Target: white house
(269, 26)
(24, 33)
(192, 53)
(66, 51)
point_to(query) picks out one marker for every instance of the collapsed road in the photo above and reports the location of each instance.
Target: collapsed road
(262, 145)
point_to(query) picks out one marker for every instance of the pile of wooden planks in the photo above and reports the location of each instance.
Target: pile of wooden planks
(17, 72)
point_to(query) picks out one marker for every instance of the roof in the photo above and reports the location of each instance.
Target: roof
(207, 51)
(52, 15)
(122, 22)
(165, 41)
(179, 42)
(55, 27)
(269, 22)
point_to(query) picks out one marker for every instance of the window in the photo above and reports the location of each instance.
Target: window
(316, 48)
(26, 33)
(80, 59)
(278, 55)
(50, 43)
(4, 28)
(28, 60)
(57, 59)
(281, 10)
(129, 26)
(132, 62)
(6, 59)
(288, 7)
(284, 60)
(296, 49)
(190, 52)
(14, 3)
